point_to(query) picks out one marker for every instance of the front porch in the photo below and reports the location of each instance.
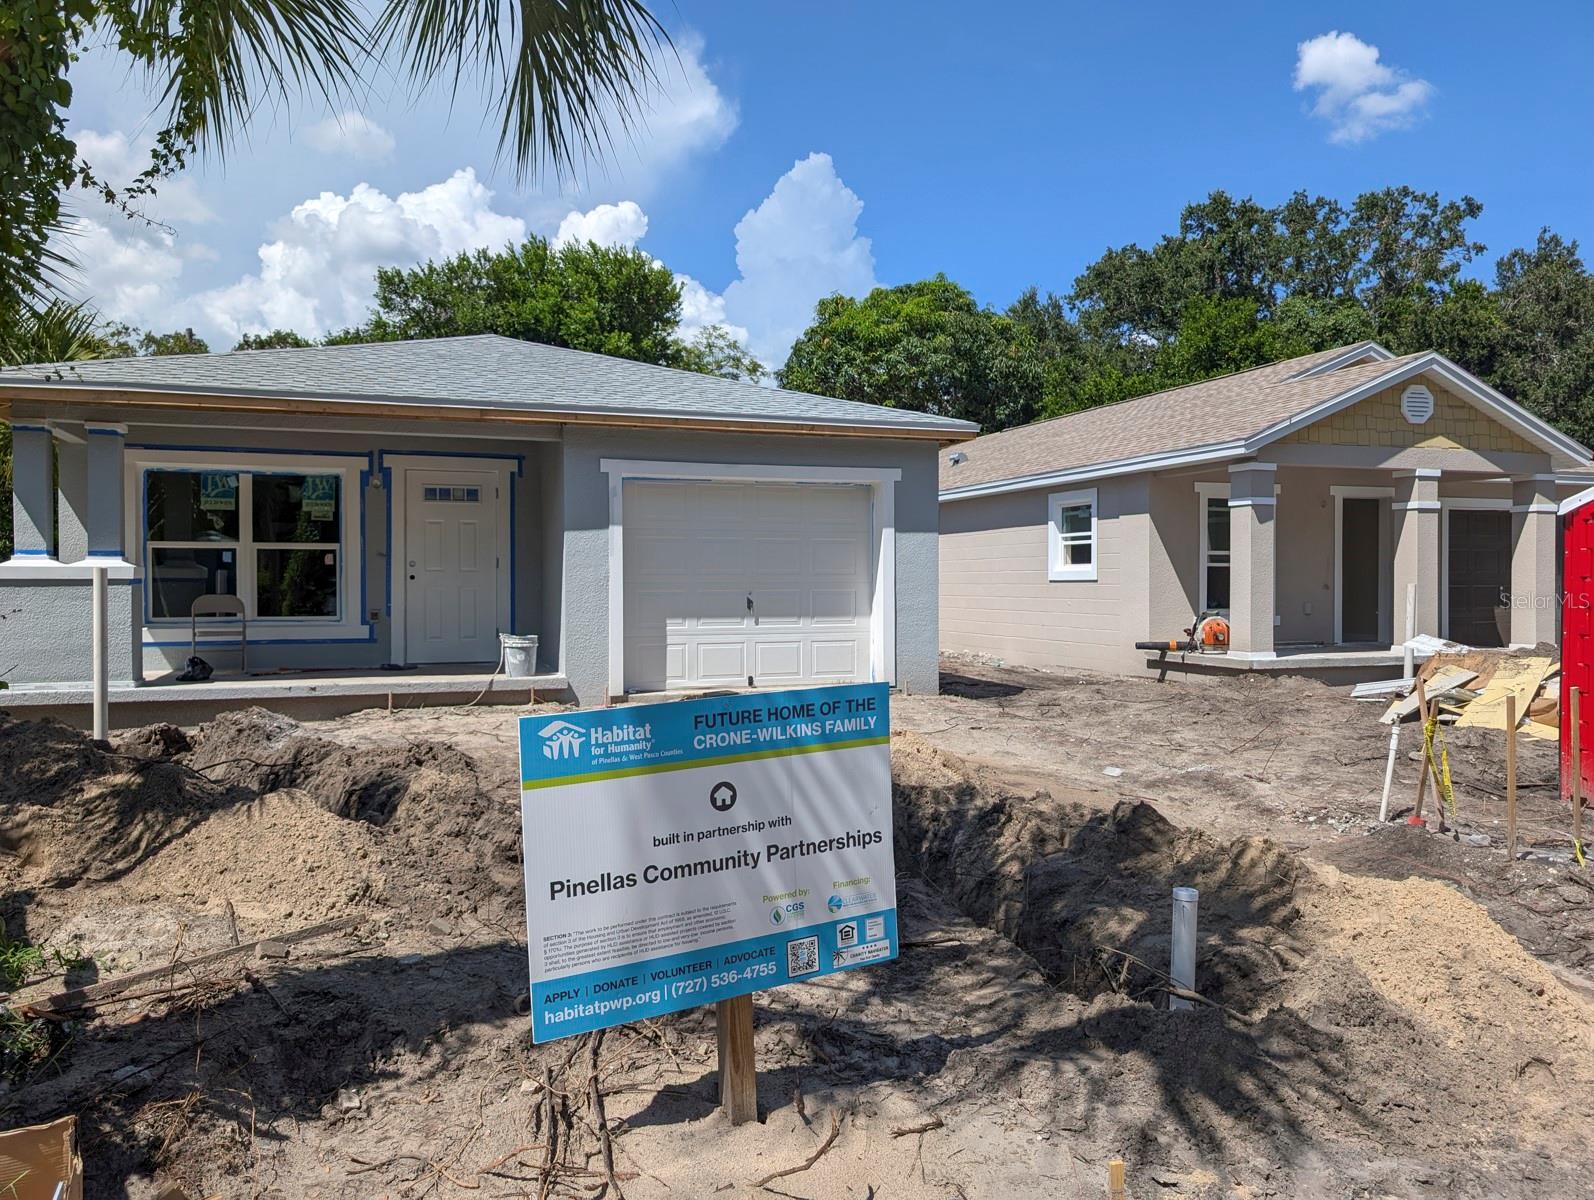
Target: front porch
(305, 694)
(1329, 569)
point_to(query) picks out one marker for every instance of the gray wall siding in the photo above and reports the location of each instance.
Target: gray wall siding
(584, 492)
(996, 598)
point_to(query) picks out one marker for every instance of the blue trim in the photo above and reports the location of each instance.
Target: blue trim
(365, 482)
(518, 459)
(104, 433)
(21, 427)
(19, 551)
(387, 533)
(117, 553)
(273, 642)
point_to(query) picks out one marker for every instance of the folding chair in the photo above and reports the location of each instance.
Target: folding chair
(224, 610)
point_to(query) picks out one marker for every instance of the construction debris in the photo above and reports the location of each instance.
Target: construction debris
(1468, 687)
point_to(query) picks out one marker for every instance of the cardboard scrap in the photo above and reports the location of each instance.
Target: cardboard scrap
(36, 1160)
(1520, 677)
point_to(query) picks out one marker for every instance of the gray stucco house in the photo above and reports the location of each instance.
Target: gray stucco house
(1305, 501)
(401, 504)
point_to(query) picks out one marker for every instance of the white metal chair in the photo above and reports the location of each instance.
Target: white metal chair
(224, 610)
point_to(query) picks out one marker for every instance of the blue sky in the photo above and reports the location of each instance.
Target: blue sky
(797, 150)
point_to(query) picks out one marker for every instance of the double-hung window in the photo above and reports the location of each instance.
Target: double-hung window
(273, 539)
(1215, 559)
(1071, 535)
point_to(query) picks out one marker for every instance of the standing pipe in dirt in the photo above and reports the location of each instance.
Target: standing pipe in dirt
(1182, 969)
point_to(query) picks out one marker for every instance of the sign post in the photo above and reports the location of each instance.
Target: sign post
(694, 852)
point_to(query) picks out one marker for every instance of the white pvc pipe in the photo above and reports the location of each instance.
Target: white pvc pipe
(1185, 902)
(1389, 772)
(1408, 660)
(102, 697)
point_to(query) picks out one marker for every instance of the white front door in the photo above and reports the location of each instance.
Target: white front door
(451, 567)
(732, 584)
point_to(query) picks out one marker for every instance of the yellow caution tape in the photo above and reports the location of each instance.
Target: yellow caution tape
(1441, 766)
(1577, 853)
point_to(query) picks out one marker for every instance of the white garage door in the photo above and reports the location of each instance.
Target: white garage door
(731, 583)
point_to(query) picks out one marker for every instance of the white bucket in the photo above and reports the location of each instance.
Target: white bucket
(520, 654)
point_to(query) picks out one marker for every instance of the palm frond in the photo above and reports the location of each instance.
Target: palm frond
(220, 59)
(55, 332)
(560, 71)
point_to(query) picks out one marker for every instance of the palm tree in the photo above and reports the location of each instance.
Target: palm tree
(558, 74)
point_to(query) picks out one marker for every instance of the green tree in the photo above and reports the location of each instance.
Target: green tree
(606, 299)
(926, 346)
(715, 351)
(1546, 341)
(277, 339)
(557, 75)
(179, 341)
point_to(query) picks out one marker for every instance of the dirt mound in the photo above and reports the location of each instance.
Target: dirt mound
(71, 810)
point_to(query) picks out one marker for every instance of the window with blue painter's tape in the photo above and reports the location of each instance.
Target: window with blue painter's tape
(273, 539)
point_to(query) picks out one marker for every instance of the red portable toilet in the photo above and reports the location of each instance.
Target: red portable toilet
(1577, 633)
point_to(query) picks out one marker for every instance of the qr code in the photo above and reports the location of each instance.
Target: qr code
(802, 956)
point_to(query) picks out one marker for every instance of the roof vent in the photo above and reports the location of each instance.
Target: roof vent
(957, 457)
(1416, 404)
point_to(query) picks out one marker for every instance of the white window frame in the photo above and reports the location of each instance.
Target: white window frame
(347, 624)
(1057, 570)
(1208, 492)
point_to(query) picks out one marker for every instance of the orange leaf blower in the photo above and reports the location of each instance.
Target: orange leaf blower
(1209, 635)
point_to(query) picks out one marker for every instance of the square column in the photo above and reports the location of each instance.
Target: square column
(106, 523)
(1535, 607)
(32, 491)
(71, 494)
(1416, 517)
(1252, 557)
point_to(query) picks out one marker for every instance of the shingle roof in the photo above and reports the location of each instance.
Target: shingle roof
(478, 372)
(1211, 413)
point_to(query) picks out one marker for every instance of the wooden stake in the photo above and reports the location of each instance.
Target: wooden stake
(1115, 1180)
(738, 1075)
(1511, 775)
(1577, 770)
(1422, 742)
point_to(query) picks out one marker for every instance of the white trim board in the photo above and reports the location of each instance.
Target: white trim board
(398, 499)
(1341, 492)
(883, 539)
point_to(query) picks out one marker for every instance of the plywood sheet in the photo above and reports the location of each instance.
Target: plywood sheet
(1520, 677)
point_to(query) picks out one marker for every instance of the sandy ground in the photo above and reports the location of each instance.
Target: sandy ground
(1393, 1014)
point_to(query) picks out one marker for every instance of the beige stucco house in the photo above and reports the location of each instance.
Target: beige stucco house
(1305, 500)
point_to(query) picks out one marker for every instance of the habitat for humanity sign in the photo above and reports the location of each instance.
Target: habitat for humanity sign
(686, 852)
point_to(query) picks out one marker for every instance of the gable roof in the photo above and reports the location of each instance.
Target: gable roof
(1226, 417)
(477, 377)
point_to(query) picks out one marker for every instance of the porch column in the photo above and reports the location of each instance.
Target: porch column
(32, 491)
(1535, 610)
(71, 493)
(1252, 521)
(106, 520)
(1416, 515)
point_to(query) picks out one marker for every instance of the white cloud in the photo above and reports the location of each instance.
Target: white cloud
(117, 160)
(799, 245)
(622, 224)
(1357, 94)
(317, 273)
(351, 134)
(683, 114)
